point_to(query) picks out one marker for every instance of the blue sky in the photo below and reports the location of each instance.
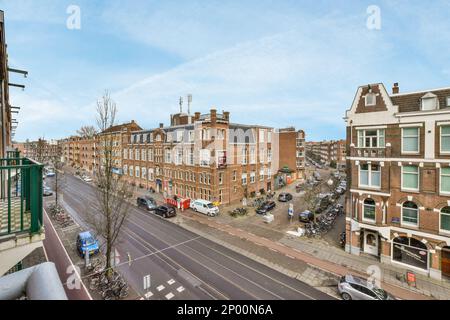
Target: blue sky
(277, 63)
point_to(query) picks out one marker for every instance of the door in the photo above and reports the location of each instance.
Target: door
(371, 243)
(445, 261)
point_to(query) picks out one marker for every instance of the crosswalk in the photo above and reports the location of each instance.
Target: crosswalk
(167, 291)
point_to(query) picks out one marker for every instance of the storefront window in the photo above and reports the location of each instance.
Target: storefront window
(411, 252)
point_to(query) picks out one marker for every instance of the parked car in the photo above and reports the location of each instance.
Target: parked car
(165, 211)
(266, 207)
(147, 203)
(306, 216)
(284, 197)
(47, 191)
(355, 288)
(50, 174)
(87, 243)
(86, 178)
(205, 207)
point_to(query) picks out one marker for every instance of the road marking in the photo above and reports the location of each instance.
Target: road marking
(290, 256)
(148, 295)
(169, 296)
(180, 289)
(272, 249)
(160, 288)
(171, 282)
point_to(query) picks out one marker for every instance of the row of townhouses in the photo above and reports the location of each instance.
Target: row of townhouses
(198, 156)
(398, 165)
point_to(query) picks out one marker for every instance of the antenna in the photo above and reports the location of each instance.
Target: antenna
(181, 104)
(189, 103)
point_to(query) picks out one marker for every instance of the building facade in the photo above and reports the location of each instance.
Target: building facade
(330, 153)
(398, 166)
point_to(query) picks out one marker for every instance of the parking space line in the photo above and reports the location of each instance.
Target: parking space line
(171, 282)
(180, 289)
(160, 288)
(169, 296)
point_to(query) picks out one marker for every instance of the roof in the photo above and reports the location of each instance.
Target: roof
(410, 102)
(132, 125)
(85, 234)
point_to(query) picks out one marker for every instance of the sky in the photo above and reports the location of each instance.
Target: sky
(275, 63)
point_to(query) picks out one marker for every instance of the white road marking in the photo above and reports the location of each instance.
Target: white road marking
(171, 282)
(169, 296)
(180, 289)
(160, 288)
(148, 295)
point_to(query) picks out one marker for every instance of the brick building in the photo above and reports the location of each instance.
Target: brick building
(398, 166)
(207, 156)
(328, 152)
(42, 150)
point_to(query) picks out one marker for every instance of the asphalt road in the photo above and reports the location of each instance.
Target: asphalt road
(181, 264)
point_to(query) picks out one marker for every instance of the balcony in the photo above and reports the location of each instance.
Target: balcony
(368, 152)
(20, 196)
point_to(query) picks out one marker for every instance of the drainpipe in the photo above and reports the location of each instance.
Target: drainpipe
(40, 282)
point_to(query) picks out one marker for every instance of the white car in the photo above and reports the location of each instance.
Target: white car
(205, 207)
(86, 179)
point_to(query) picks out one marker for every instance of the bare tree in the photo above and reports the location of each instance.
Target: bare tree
(87, 132)
(113, 191)
(58, 164)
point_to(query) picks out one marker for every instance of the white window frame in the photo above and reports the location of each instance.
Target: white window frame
(370, 94)
(440, 221)
(252, 155)
(418, 140)
(409, 224)
(445, 193)
(440, 140)
(252, 177)
(244, 179)
(363, 211)
(436, 104)
(379, 136)
(418, 179)
(369, 178)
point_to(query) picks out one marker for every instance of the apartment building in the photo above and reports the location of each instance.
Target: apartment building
(42, 150)
(291, 151)
(328, 152)
(398, 166)
(81, 152)
(207, 156)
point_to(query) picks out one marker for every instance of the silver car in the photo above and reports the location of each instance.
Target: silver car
(355, 288)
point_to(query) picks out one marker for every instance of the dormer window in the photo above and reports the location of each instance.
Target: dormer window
(447, 101)
(371, 99)
(429, 102)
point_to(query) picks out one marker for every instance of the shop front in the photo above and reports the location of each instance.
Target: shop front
(410, 252)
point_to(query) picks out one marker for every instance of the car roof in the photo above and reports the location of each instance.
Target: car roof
(360, 281)
(202, 201)
(85, 234)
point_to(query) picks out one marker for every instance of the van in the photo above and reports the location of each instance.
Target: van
(205, 207)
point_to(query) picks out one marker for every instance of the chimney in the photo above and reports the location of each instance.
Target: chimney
(197, 116)
(226, 115)
(395, 88)
(213, 116)
(161, 125)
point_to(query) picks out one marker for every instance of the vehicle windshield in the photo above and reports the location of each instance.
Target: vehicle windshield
(210, 205)
(89, 241)
(381, 293)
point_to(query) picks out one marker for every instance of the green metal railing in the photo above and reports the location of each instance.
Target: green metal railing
(20, 195)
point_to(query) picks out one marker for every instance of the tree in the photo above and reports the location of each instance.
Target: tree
(58, 164)
(113, 191)
(87, 132)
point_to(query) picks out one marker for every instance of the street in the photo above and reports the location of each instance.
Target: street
(181, 264)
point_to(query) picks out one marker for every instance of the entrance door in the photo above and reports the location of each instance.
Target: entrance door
(371, 243)
(445, 261)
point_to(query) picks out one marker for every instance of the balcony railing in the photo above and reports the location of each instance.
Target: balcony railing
(20, 195)
(368, 152)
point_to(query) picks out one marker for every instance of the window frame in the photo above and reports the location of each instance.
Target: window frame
(364, 210)
(370, 94)
(418, 179)
(361, 133)
(418, 140)
(445, 193)
(410, 224)
(440, 220)
(369, 178)
(440, 139)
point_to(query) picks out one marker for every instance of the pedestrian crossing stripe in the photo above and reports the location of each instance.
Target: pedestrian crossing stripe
(171, 282)
(160, 288)
(180, 289)
(169, 296)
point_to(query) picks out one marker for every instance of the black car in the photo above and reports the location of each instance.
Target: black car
(146, 203)
(285, 197)
(266, 207)
(306, 216)
(165, 211)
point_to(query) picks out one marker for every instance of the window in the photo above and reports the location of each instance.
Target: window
(144, 155)
(269, 137)
(252, 177)
(262, 153)
(371, 138)
(205, 156)
(445, 219)
(410, 251)
(220, 177)
(262, 134)
(180, 135)
(150, 155)
(445, 180)
(269, 173)
(131, 154)
(410, 213)
(370, 175)
(429, 102)
(269, 155)
(234, 175)
(179, 157)
(191, 136)
(369, 210)
(125, 154)
(244, 155)
(410, 178)
(131, 171)
(137, 172)
(220, 134)
(167, 156)
(445, 139)
(261, 174)
(410, 140)
(151, 173)
(371, 99)
(144, 173)
(138, 153)
(244, 179)
(447, 102)
(252, 155)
